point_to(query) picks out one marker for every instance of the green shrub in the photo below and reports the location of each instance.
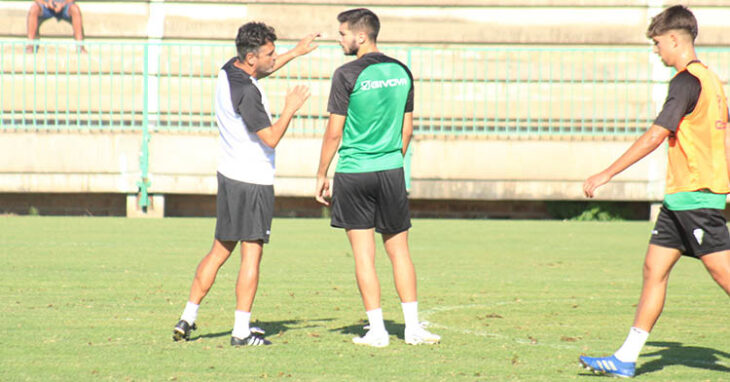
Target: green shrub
(595, 211)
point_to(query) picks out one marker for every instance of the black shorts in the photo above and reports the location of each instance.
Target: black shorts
(693, 232)
(243, 210)
(371, 199)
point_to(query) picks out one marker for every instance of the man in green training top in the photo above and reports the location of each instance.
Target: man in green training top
(371, 114)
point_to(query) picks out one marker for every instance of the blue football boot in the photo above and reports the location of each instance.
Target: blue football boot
(609, 366)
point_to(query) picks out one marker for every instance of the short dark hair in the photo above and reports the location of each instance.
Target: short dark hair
(252, 36)
(359, 19)
(677, 17)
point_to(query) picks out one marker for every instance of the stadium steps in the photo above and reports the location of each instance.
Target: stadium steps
(414, 22)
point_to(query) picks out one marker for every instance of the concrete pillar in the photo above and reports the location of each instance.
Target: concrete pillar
(156, 209)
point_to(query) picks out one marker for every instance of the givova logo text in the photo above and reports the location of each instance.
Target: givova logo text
(377, 84)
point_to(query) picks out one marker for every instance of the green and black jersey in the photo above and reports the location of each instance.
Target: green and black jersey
(373, 92)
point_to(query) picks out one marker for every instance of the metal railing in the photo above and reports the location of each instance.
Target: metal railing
(464, 91)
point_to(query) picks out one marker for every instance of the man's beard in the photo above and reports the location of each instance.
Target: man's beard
(350, 50)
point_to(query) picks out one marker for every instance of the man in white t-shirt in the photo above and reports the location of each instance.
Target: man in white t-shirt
(245, 201)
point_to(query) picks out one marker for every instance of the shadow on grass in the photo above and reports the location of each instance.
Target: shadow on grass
(271, 327)
(675, 353)
(359, 328)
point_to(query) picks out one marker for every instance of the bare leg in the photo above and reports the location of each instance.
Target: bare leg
(208, 269)
(248, 274)
(76, 21)
(33, 14)
(657, 266)
(718, 264)
(77, 24)
(404, 273)
(363, 249)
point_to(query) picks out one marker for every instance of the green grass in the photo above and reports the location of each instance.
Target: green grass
(96, 298)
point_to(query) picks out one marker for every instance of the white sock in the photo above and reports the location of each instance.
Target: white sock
(629, 351)
(240, 326)
(190, 314)
(410, 314)
(375, 319)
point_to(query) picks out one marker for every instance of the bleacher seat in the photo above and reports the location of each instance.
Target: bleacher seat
(409, 21)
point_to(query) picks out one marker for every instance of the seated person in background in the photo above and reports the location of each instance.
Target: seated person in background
(42, 10)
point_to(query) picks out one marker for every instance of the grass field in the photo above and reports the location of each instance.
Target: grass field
(96, 299)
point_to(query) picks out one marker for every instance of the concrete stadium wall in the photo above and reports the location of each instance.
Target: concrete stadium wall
(451, 169)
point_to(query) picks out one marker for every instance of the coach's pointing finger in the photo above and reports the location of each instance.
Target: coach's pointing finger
(306, 45)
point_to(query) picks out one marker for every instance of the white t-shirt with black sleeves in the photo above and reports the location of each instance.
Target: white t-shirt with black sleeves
(242, 109)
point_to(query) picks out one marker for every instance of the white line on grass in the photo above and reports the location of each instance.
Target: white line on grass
(481, 333)
(522, 341)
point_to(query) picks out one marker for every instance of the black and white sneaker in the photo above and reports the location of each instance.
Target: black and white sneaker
(253, 339)
(182, 331)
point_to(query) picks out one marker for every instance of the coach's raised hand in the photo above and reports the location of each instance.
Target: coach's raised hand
(304, 46)
(295, 98)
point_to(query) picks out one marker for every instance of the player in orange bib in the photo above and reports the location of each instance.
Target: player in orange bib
(694, 119)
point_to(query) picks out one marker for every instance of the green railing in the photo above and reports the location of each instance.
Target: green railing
(464, 91)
